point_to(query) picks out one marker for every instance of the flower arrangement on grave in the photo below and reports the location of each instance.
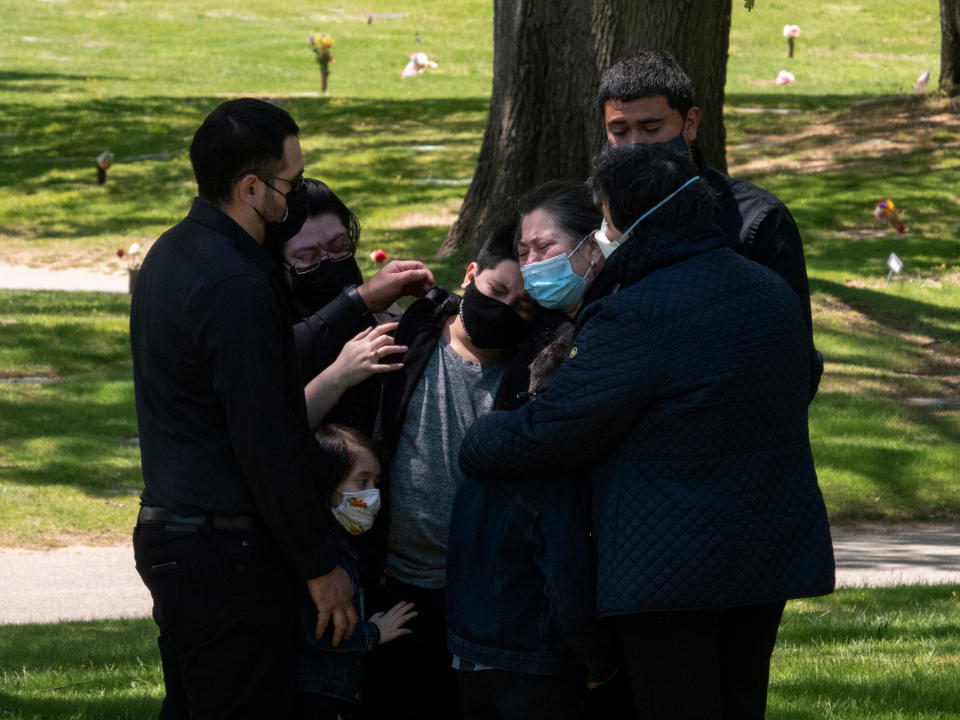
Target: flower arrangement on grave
(885, 210)
(133, 256)
(790, 32)
(419, 61)
(321, 44)
(133, 259)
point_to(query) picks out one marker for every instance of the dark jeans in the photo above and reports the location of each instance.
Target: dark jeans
(225, 603)
(501, 695)
(706, 665)
(411, 678)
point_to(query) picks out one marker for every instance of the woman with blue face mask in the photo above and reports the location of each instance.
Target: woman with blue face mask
(559, 256)
(559, 259)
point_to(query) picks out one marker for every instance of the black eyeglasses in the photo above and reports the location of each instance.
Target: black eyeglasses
(295, 184)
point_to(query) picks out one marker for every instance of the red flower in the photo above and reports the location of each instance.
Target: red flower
(119, 252)
(378, 256)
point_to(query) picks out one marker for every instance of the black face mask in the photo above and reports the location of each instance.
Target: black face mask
(489, 323)
(277, 233)
(324, 281)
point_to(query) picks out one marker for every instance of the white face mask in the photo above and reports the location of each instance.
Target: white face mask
(608, 246)
(357, 511)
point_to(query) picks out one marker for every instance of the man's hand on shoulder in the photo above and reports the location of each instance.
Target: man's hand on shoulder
(333, 595)
(394, 280)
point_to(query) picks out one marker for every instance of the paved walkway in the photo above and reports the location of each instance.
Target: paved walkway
(81, 583)
(24, 278)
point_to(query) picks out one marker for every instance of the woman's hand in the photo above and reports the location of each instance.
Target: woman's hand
(358, 360)
(392, 621)
(361, 356)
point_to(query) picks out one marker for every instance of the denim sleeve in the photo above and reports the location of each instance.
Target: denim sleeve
(366, 637)
(606, 382)
(320, 337)
(565, 557)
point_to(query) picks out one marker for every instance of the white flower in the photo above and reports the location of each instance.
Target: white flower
(791, 31)
(134, 249)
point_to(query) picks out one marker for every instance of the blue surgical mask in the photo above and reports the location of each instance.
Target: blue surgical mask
(614, 244)
(553, 283)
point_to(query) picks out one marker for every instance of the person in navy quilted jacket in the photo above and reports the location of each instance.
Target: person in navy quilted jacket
(684, 398)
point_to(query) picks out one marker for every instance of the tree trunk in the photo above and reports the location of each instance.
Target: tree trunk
(544, 122)
(950, 47)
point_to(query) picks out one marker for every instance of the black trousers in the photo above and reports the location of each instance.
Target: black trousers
(411, 678)
(225, 602)
(500, 695)
(706, 665)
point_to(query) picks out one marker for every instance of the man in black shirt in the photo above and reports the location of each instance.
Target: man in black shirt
(230, 518)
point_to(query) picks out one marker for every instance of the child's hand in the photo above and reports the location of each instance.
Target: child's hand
(392, 621)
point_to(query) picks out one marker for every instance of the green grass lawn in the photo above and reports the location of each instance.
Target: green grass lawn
(890, 654)
(81, 76)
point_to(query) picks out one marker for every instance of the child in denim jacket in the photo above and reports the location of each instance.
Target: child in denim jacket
(329, 678)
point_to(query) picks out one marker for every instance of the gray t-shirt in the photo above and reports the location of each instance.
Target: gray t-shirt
(425, 471)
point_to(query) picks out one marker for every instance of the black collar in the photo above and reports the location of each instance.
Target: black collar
(215, 219)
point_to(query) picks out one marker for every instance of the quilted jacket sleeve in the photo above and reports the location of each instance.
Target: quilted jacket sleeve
(604, 384)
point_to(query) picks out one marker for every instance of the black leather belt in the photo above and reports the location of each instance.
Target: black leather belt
(151, 515)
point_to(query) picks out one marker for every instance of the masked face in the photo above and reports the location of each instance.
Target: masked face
(316, 285)
(648, 120)
(489, 323)
(357, 500)
(320, 261)
(278, 233)
(553, 283)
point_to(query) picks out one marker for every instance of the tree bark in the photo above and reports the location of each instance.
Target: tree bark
(544, 122)
(950, 47)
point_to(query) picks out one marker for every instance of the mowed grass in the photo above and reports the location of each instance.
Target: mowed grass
(81, 76)
(888, 654)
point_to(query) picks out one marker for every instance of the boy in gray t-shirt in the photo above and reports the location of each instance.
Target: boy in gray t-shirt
(457, 353)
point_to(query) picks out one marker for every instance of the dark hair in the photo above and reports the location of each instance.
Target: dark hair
(570, 204)
(634, 178)
(499, 246)
(339, 445)
(239, 137)
(645, 74)
(320, 199)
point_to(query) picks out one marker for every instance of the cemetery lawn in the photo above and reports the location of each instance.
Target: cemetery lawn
(884, 654)
(84, 76)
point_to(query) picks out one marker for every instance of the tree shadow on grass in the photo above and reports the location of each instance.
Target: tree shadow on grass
(916, 317)
(344, 144)
(147, 125)
(44, 82)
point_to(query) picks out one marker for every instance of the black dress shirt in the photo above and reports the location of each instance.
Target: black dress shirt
(220, 405)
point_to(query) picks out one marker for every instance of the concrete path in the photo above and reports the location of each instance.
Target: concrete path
(82, 583)
(16, 277)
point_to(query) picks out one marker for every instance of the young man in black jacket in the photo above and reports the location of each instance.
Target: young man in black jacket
(648, 98)
(458, 351)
